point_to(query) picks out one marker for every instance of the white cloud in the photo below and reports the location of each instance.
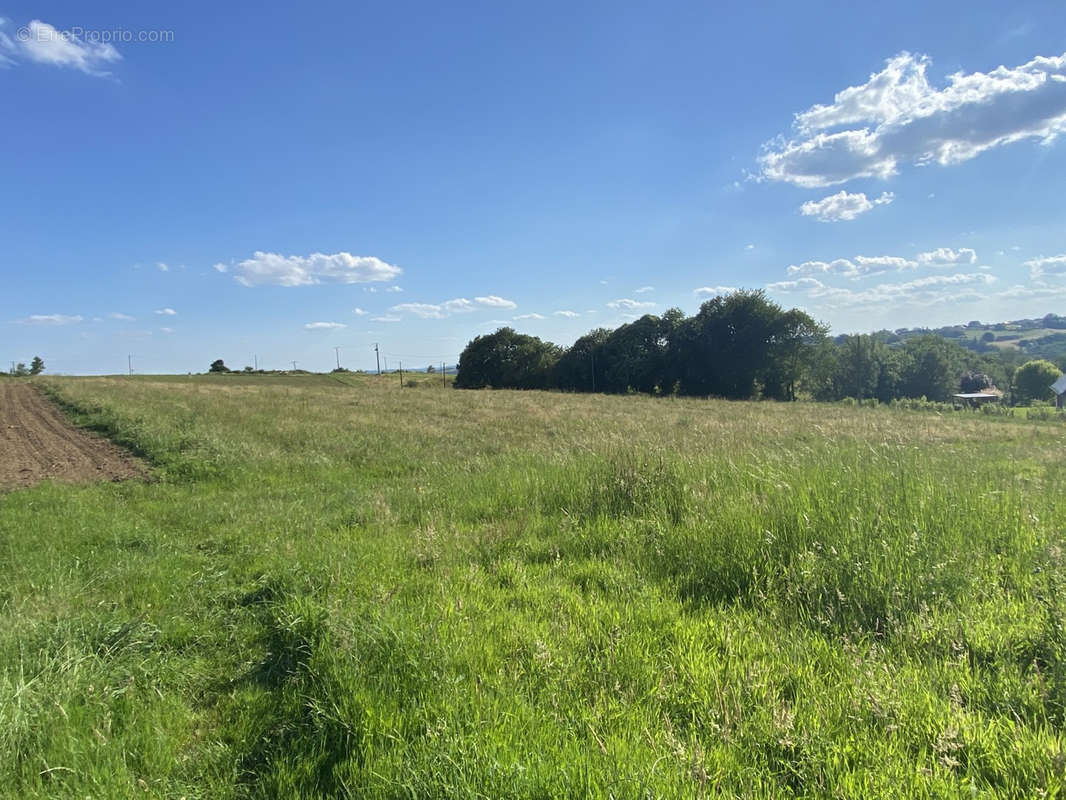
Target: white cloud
(167, 331)
(162, 267)
(644, 290)
(52, 319)
(1040, 268)
(857, 267)
(421, 310)
(567, 314)
(387, 318)
(359, 312)
(273, 269)
(166, 312)
(713, 291)
(842, 206)
(749, 247)
(493, 301)
(946, 257)
(459, 305)
(221, 268)
(631, 305)
(897, 117)
(41, 43)
(924, 291)
(529, 316)
(324, 326)
(120, 316)
(393, 289)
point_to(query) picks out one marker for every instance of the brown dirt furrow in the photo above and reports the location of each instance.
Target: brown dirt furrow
(37, 443)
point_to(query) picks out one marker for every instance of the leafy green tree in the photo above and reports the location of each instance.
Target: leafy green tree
(218, 365)
(931, 368)
(1033, 379)
(19, 370)
(740, 344)
(581, 367)
(507, 360)
(36, 366)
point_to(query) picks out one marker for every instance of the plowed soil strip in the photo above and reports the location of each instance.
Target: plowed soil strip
(37, 443)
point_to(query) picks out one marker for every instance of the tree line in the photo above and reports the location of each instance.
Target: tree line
(740, 346)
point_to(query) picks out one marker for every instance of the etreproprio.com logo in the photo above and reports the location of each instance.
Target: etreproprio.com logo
(45, 34)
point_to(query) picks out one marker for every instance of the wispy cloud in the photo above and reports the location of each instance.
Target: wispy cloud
(567, 314)
(626, 304)
(387, 318)
(644, 290)
(494, 301)
(922, 291)
(359, 312)
(857, 267)
(165, 312)
(52, 319)
(120, 316)
(530, 316)
(324, 326)
(41, 43)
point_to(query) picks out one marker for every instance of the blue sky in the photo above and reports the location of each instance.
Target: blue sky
(190, 181)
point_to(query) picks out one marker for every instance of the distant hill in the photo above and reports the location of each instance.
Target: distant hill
(1020, 339)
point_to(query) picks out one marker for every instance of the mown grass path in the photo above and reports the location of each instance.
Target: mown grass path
(357, 590)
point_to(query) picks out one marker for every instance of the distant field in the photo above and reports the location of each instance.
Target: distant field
(344, 588)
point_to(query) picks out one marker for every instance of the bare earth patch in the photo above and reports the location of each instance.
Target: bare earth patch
(37, 443)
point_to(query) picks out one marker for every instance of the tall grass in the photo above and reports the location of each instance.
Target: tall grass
(353, 590)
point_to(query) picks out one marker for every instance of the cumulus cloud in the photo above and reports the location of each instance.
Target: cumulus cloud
(166, 312)
(713, 291)
(631, 305)
(274, 269)
(842, 206)
(946, 257)
(359, 312)
(41, 43)
(567, 314)
(857, 267)
(1040, 268)
(897, 117)
(52, 319)
(493, 301)
(324, 326)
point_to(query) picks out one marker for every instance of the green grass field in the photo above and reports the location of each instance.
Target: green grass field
(342, 588)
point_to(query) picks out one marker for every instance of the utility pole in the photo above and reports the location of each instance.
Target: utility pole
(401, 374)
(256, 360)
(444, 374)
(129, 362)
(294, 366)
(377, 357)
(337, 350)
(386, 363)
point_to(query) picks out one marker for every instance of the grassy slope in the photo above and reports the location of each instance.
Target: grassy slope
(352, 589)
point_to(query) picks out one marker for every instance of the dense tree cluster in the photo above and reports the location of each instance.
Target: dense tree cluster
(741, 345)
